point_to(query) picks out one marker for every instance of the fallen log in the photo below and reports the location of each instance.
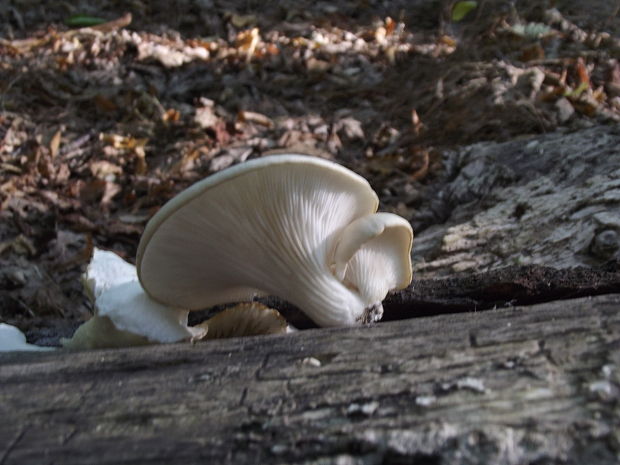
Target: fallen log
(537, 384)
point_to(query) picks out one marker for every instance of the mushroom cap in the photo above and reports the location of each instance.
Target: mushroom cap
(270, 225)
(374, 255)
(247, 319)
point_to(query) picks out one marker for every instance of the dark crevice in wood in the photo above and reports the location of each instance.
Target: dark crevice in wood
(506, 287)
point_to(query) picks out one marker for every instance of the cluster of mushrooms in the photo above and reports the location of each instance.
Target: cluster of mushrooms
(293, 226)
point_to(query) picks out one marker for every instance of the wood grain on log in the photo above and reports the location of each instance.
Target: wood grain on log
(535, 384)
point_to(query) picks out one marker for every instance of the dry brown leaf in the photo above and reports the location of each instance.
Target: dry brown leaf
(416, 122)
(123, 142)
(102, 169)
(171, 115)
(254, 117)
(390, 25)
(447, 40)
(55, 143)
(113, 25)
(247, 41)
(205, 117)
(582, 72)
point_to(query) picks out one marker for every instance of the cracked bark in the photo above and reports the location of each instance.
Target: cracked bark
(536, 384)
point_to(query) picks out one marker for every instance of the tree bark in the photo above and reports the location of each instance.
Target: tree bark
(551, 200)
(536, 384)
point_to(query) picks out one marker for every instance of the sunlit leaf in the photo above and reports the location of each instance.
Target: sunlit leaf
(461, 9)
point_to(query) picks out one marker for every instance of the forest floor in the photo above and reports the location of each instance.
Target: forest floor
(101, 125)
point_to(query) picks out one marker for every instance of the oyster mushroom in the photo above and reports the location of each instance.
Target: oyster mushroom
(294, 226)
(124, 314)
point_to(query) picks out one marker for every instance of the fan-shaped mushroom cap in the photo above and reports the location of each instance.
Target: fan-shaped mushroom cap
(269, 225)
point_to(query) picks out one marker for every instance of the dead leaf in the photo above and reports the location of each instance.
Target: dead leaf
(122, 142)
(205, 117)
(416, 122)
(247, 41)
(171, 115)
(104, 169)
(55, 143)
(350, 127)
(390, 25)
(582, 72)
(115, 24)
(253, 117)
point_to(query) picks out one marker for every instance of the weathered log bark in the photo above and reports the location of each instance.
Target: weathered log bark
(535, 384)
(551, 200)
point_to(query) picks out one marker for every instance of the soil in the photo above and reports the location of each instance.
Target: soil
(100, 126)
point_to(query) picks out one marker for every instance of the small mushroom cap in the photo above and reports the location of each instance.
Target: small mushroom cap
(124, 314)
(248, 319)
(270, 224)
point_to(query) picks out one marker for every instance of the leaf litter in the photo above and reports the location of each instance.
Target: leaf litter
(102, 123)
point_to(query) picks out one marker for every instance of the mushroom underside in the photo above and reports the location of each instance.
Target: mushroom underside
(274, 227)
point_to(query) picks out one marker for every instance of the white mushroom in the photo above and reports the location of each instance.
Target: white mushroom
(124, 314)
(299, 227)
(106, 270)
(12, 339)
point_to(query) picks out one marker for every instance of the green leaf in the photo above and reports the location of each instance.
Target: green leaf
(83, 21)
(460, 10)
(576, 93)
